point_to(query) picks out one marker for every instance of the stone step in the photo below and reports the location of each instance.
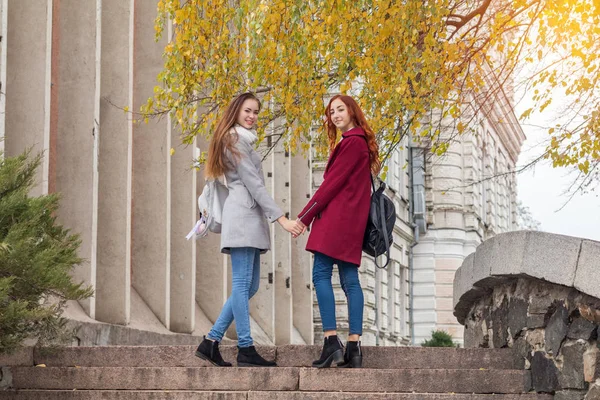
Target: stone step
(197, 395)
(286, 356)
(268, 379)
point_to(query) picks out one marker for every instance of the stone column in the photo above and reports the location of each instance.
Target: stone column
(262, 305)
(302, 293)
(184, 213)
(211, 264)
(151, 225)
(113, 276)
(281, 247)
(77, 136)
(25, 81)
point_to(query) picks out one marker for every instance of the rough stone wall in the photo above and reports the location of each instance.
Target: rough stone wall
(554, 330)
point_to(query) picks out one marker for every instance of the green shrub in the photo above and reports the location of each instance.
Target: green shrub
(36, 258)
(439, 339)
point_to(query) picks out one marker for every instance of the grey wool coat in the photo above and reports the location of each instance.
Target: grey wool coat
(249, 204)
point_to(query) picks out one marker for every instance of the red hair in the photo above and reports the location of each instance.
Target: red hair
(359, 120)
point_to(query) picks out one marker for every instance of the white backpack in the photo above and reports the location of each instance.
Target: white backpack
(210, 204)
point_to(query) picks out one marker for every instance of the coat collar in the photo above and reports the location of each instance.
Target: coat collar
(357, 131)
(249, 135)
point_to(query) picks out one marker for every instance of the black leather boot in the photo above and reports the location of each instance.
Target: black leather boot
(209, 351)
(248, 357)
(352, 356)
(332, 351)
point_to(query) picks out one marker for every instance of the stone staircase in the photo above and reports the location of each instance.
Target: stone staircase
(174, 373)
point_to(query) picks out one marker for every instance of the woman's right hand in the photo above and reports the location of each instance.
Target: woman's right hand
(291, 226)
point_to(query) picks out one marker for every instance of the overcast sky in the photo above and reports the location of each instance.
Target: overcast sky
(541, 189)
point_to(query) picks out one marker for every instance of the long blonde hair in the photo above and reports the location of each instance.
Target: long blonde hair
(216, 164)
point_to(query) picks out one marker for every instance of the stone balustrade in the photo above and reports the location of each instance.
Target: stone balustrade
(539, 294)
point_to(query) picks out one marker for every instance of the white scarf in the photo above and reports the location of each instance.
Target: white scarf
(247, 134)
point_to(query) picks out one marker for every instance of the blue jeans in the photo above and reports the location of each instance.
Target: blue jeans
(245, 279)
(322, 272)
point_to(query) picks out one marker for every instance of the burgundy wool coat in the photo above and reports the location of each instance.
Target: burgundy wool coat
(339, 209)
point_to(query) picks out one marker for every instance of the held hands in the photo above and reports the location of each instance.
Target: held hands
(296, 228)
(301, 224)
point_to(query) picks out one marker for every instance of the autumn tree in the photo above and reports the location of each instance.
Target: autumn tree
(412, 65)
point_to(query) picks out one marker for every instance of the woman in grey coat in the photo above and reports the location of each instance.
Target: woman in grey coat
(245, 230)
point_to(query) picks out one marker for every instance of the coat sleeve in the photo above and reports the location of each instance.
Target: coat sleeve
(251, 178)
(351, 154)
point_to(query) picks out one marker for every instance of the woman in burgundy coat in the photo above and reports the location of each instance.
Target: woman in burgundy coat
(338, 213)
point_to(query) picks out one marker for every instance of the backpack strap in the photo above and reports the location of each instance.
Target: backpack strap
(383, 225)
(381, 205)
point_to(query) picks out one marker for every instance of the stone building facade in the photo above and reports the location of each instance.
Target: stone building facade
(67, 68)
(470, 196)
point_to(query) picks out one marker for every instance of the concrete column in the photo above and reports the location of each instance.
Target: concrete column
(424, 316)
(282, 247)
(262, 305)
(211, 264)
(184, 213)
(25, 76)
(113, 277)
(77, 128)
(302, 293)
(151, 228)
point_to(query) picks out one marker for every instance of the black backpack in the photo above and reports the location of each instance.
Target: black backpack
(380, 225)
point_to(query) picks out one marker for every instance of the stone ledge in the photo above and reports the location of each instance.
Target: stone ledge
(558, 259)
(252, 395)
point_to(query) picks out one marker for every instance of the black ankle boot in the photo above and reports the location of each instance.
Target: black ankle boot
(332, 351)
(209, 351)
(248, 357)
(352, 356)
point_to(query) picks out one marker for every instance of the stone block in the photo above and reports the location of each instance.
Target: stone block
(414, 380)
(590, 313)
(156, 378)
(521, 352)
(540, 303)
(466, 302)
(593, 393)
(476, 335)
(544, 374)
(587, 277)
(591, 364)
(500, 325)
(571, 375)
(254, 395)
(462, 279)
(504, 253)
(556, 329)
(485, 257)
(126, 395)
(136, 356)
(20, 357)
(5, 378)
(569, 395)
(517, 316)
(581, 328)
(535, 321)
(376, 396)
(551, 257)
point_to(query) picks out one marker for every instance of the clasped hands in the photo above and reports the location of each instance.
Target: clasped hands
(296, 228)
